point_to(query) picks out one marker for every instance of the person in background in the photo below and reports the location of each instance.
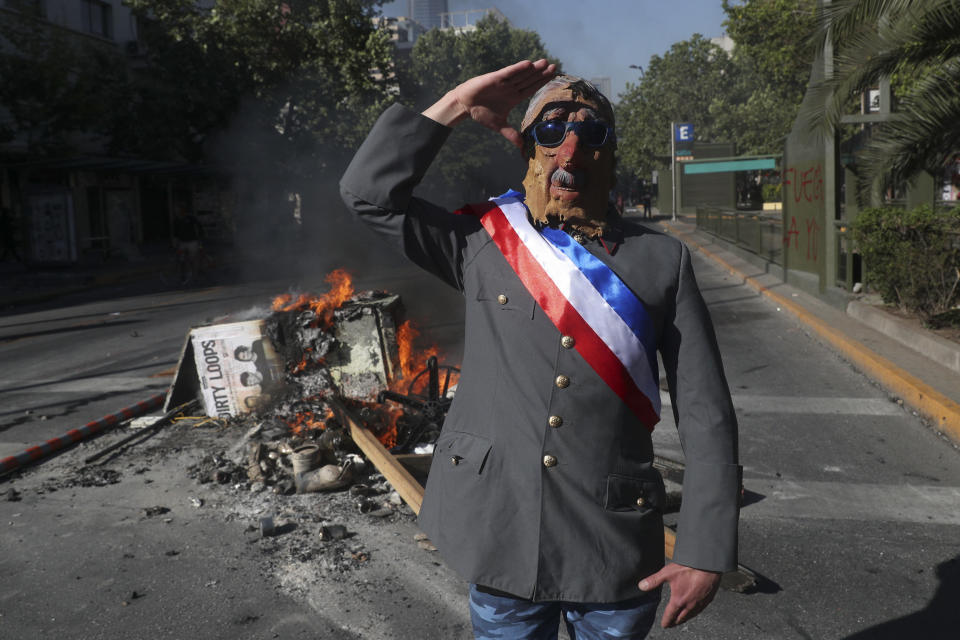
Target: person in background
(645, 199)
(187, 240)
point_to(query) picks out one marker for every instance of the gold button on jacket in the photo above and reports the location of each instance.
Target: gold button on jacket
(502, 299)
(641, 502)
(563, 382)
(549, 461)
(555, 421)
(567, 342)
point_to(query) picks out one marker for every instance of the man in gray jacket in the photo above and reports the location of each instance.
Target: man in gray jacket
(542, 492)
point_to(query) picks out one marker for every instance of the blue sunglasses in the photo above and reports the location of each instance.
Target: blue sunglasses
(551, 133)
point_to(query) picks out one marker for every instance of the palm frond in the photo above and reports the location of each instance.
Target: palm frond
(922, 136)
(838, 20)
(890, 35)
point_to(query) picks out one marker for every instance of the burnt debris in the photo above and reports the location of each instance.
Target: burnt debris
(337, 351)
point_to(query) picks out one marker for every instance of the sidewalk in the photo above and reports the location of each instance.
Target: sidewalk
(22, 285)
(915, 365)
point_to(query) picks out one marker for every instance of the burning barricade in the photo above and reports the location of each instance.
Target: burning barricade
(320, 380)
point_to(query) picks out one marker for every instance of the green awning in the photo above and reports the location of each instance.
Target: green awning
(729, 165)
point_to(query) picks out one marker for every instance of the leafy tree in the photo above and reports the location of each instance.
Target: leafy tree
(474, 164)
(279, 86)
(772, 57)
(750, 97)
(679, 86)
(915, 41)
(287, 85)
(773, 40)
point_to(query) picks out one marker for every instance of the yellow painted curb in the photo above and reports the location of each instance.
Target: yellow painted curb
(930, 403)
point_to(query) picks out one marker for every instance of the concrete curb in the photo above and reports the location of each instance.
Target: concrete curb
(930, 403)
(932, 346)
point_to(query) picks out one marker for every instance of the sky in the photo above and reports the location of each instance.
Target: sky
(602, 37)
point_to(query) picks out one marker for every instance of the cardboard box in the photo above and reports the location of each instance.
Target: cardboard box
(366, 359)
(229, 365)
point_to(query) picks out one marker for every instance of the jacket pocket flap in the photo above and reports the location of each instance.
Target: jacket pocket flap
(627, 493)
(462, 450)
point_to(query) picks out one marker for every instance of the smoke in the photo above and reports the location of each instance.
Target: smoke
(285, 210)
(290, 225)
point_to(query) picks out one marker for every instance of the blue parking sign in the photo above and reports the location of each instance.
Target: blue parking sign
(683, 132)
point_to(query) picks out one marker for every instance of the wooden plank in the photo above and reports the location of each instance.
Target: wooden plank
(405, 484)
(669, 542)
(416, 463)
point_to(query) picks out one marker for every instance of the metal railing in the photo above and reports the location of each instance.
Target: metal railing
(760, 232)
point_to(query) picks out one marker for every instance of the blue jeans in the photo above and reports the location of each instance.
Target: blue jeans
(502, 616)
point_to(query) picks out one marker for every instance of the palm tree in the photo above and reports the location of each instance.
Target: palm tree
(917, 42)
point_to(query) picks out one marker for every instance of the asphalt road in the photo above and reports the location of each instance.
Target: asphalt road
(851, 511)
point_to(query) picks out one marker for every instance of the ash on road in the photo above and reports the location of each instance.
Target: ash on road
(144, 545)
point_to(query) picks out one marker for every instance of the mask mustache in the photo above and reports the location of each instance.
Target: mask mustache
(568, 179)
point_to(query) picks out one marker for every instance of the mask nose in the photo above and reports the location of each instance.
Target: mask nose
(570, 148)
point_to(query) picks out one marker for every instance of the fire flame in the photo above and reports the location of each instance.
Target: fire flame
(308, 420)
(341, 290)
(412, 361)
(391, 413)
(304, 361)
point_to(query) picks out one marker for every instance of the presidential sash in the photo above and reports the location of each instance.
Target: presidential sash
(584, 299)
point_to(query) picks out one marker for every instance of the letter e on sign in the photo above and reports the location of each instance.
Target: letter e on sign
(683, 132)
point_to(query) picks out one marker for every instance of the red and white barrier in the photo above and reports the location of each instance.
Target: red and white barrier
(39, 451)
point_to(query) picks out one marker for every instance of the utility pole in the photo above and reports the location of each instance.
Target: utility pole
(673, 170)
(682, 132)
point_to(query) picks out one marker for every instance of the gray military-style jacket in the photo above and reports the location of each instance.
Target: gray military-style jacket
(542, 483)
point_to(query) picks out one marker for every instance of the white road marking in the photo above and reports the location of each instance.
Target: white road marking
(924, 504)
(811, 406)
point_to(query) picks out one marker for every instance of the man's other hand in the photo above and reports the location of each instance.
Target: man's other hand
(490, 97)
(691, 590)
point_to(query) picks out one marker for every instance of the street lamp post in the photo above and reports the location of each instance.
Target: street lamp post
(673, 170)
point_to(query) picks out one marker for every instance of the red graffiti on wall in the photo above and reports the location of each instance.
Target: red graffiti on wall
(811, 238)
(807, 183)
(792, 234)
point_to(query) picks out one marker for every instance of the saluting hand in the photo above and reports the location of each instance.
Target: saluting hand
(490, 97)
(691, 590)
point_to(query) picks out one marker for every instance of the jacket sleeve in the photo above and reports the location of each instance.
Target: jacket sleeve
(703, 410)
(378, 188)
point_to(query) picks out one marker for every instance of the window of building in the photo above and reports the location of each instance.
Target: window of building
(98, 18)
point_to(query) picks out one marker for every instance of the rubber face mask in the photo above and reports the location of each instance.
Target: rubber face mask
(569, 181)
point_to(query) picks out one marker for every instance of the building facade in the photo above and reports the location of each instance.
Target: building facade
(427, 12)
(88, 206)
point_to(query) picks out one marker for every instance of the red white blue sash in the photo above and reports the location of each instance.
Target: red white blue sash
(584, 299)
